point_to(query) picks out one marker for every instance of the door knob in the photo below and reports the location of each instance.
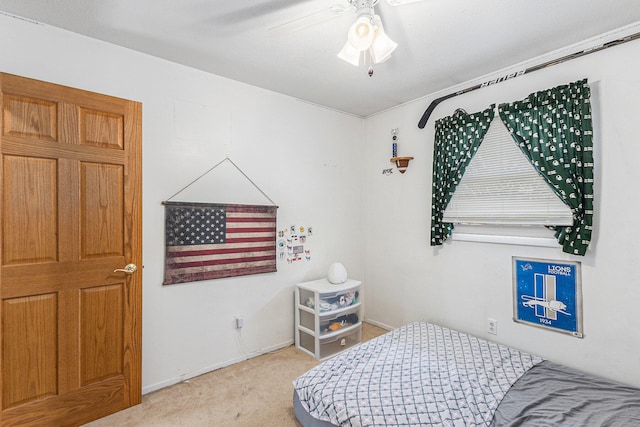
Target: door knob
(129, 269)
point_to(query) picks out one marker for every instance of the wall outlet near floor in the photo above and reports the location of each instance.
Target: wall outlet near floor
(492, 326)
(239, 322)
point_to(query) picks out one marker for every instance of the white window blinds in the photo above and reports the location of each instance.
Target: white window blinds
(500, 186)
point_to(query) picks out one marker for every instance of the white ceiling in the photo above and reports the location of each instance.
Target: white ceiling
(441, 42)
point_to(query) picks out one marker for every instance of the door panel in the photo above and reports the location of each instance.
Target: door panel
(101, 333)
(29, 349)
(30, 226)
(29, 117)
(101, 129)
(102, 218)
(71, 215)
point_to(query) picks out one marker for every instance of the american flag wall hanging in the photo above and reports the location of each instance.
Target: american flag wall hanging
(211, 241)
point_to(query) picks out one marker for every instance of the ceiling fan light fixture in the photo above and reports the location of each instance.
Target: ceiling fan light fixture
(382, 45)
(367, 34)
(361, 33)
(350, 54)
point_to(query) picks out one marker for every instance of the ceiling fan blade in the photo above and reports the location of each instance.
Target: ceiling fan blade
(310, 19)
(401, 2)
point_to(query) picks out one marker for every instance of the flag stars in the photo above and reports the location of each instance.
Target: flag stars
(196, 225)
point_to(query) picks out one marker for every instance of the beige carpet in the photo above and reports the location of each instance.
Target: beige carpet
(256, 392)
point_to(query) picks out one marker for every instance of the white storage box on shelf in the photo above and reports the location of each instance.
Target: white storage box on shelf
(328, 317)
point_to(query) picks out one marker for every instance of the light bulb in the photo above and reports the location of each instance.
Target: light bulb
(361, 33)
(362, 30)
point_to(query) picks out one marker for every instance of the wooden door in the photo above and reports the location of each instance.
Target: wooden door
(70, 206)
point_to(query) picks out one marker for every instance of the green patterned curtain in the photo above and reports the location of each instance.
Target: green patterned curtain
(553, 129)
(457, 139)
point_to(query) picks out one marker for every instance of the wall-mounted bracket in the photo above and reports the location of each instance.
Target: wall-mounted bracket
(402, 163)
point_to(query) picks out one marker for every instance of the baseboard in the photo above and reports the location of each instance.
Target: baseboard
(379, 324)
(184, 377)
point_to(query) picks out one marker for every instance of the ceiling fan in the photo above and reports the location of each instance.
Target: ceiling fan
(366, 35)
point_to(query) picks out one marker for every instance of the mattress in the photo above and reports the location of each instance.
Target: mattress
(423, 374)
(551, 394)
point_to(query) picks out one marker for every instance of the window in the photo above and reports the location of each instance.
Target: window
(501, 198)
(553, 130)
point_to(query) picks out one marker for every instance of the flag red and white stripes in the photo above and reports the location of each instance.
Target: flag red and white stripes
(210, 241)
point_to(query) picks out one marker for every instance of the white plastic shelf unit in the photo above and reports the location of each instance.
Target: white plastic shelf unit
(328, 317)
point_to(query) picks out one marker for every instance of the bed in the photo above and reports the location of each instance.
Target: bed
(427, 375)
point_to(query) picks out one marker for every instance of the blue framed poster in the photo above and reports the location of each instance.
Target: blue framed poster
(548, 294)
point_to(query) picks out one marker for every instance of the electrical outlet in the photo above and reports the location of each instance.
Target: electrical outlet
(492, 326)
(239, 322)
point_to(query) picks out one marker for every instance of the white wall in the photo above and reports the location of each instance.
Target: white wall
(460, 284)
(306, 158)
